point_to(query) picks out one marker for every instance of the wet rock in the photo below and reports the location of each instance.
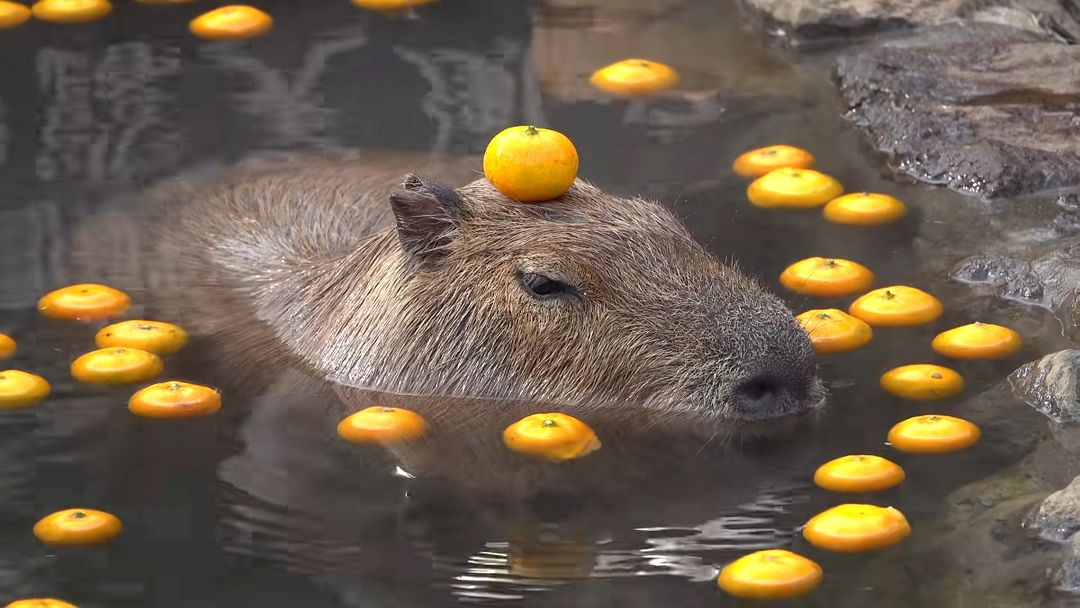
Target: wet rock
(982, 108)
(813, 22)
(1058, 517)
(1051, 279)
(1070, 576)
(1051, 385)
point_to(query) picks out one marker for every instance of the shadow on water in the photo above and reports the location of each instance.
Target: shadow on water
(263, 503)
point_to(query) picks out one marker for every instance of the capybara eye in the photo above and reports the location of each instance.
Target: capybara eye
(545, 288)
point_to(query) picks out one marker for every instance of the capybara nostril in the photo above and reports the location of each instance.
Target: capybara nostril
(772, 395)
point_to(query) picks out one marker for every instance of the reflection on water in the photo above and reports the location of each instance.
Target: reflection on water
(263, 503)
(486, 524)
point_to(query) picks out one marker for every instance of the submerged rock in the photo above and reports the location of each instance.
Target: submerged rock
(1051, 385)
(982, 108)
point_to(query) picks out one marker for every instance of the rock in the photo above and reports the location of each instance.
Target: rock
(982, 108)
(801, 23)
(1070, 576)
(1058, 517)
(1051, 279)
(1051, 385)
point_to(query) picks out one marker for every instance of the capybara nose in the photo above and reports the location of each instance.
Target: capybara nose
(770, 395)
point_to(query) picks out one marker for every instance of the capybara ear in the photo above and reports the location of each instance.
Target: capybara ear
(427, 215)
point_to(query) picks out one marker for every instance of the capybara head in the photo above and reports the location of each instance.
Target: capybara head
(588, 299)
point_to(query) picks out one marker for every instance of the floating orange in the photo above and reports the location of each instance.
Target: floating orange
(40, 602)
(175, 399)
(772, 574)
(634, 77)
(232, 22)
(922, 382)
(826, 277)
(84, 302)
(116, 365)
(756, 163)
(864, 209)
(77, 527)
(977, 341)
(852, 528)
(552, 436)
(791, 187)
(71, 11)
(21, 389)
(859, 473)
(152, 336)
(531, 164)
(897, 306)
(7, 346)
(933, 434)
(13, 14)
(381, 424)
(834, 331)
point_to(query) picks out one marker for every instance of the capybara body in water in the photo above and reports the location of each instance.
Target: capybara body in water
(407, 285)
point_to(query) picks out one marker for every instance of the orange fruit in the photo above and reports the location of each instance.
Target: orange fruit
(897, 306)
(859, 473)
(551, 436)
(381, 424)
(21, 389)
(390, 5)
(232, 22)
(634, 77)
(832, 330)
(116, 365)
(852, 528)
(864, 209)
(152, 336)
(7, 346)
(826, 277)
(772, 574)
(531, 164)
(13, 14)
(71, 11)
(175, 399)
(756, 163)
(977, 341)
(793, 187)
(40, 602)
(922, 382)
(84, 302)
(933, 434)
(72, 527)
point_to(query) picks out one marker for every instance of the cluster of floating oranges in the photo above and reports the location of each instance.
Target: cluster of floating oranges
(632, 77)
(784, 179)
(554, 436)
(232, 22)
(128, 352)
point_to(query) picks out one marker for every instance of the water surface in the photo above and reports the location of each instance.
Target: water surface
(263, 504)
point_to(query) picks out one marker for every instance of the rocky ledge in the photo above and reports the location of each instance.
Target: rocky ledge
(801, 23)
(985, 109)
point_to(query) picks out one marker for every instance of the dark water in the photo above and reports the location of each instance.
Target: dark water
(263, 504)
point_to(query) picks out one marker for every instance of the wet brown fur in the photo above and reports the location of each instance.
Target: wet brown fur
(307, 259)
